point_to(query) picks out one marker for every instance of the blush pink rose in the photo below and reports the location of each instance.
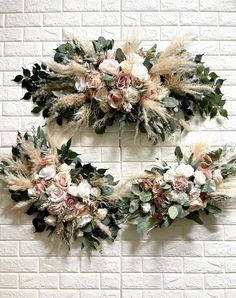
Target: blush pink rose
(40, 186)
(63, 179)
(115, 99)
(123, 80)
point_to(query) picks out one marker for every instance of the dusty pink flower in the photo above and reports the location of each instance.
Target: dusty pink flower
(206, 172)
(149, 94)
(70, 203)
(47, 160)
(115, 99)
(206, 161)
(55, 209)
(123, 80)
(40, 186)
(180, 184)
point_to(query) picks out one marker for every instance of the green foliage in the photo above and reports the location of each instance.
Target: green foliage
(102, 45)
(179, 154)
(63, 52)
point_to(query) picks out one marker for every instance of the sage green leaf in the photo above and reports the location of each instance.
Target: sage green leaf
(136, 189)
(144, 224)
(173, 212)
(170, 102)
(210, 186)
(195, 217)
(145, 196)
(178, 153)
(134, 205)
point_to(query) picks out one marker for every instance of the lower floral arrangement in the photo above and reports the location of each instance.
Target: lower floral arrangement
(75, 201)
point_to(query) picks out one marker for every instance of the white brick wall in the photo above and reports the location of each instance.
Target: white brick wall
(185, 261)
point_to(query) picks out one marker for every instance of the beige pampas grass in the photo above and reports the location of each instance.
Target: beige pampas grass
(15, 166)
(148, 104)
(34, 154)
(18, 183)
(70, 69)
(68, 101)
(177, 46)
(102, 227)
(199, 149)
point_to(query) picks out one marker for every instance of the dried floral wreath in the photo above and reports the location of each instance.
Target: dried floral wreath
(93, 84)
(75, 201)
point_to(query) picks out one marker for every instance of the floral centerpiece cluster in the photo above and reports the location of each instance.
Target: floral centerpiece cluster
(93, 84)
(199, 183)
(70, 200)
(74, 201)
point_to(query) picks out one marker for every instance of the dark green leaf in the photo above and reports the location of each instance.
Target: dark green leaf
(178, 153)
(36, 110)
(120, 56)
(18, 78)
(195, 217)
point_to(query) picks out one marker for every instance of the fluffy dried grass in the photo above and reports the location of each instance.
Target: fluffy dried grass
(18, 183)
(70, 69)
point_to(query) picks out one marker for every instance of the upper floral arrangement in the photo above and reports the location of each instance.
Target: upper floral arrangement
(94, 84)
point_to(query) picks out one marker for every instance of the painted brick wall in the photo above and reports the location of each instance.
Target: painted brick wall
(184, 261)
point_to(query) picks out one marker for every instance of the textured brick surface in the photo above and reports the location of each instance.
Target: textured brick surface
(185, 261)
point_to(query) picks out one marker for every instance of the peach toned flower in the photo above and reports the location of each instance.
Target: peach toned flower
(115, 99)
(63, 179)
(40, 186)
(95, 80)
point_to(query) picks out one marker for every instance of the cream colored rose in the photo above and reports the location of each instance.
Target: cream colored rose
(131, 95)
(32, 192)
(110, 66)
(55, 193)
(218, 178)
(50, 220)
(140, 72)
(95, 191)
(64, 168)
(84, 220)
(80, 84)
(47, 172)
(102, 213)
(184, 170)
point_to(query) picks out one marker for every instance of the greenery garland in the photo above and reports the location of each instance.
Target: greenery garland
(93, 84)
(76, 201)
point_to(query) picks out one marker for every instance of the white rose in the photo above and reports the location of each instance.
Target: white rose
(135, 58)
(218, 178)
(180, 197)
(102, 213)
(169, 175)
(82, 190)
(95, 191)
(47, 172)
(146, 207)
(84, 220)
(55, 193)
(73, 190)
(50, 220)
(184, 170)
(110, 66)
(140, 72)
(64, 168)
(80, 84)
(200, 178)
(131, 95)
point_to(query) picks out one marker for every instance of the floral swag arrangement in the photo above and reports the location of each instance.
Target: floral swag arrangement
(92, 84)
(74, 201)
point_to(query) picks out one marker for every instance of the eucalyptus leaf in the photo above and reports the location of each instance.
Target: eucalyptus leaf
(145, 196)
(173, 212)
